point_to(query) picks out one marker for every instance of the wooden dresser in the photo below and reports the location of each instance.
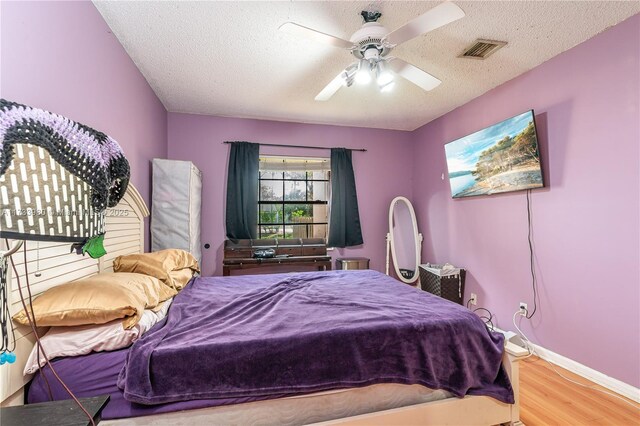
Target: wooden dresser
(240, 254)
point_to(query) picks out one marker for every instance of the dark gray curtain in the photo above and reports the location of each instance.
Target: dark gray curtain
(242, 191)
(344, 223)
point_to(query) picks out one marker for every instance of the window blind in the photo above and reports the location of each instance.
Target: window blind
(293, 164)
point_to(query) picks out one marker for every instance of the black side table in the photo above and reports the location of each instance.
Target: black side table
(55, 413)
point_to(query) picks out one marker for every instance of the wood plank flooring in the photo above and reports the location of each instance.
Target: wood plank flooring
(548, 399)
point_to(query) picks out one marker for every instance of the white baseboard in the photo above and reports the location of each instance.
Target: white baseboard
(615, 385)
(588, 373)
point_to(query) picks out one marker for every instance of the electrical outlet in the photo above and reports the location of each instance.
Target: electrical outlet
(474, 299)
(523, 308)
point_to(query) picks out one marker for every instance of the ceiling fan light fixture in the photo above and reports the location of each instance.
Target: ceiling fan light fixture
(371, 46)
(384, 76)
(363, 76)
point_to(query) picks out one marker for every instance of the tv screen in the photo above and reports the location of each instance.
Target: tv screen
(501, 158)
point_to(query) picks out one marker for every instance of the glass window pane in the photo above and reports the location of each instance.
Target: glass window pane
(296, 231)
(271, 231)
(318, 191)
(270, 213)
(319, 175)
(294, 191)
(318, 231)
(295, 175)
(270, 190)
(264, 174)
(320, 213)
(298, 186)
(298, 213)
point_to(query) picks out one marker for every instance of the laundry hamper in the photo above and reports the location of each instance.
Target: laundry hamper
(349, 263)
(447, 283)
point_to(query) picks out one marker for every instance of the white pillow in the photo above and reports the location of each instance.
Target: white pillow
(84, 339)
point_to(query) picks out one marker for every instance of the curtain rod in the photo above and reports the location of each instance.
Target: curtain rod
(301, 146)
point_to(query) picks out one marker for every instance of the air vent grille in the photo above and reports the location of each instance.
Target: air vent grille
(482, 49)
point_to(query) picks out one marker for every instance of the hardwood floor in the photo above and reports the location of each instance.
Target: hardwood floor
(548, 399)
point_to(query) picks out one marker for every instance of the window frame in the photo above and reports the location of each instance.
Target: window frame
(285, 202)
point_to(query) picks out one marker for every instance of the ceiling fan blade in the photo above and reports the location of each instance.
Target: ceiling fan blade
(331, 88)
(440, 15)
(302, 31)
(420, 78)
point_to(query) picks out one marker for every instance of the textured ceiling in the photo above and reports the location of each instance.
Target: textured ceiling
(229, 59)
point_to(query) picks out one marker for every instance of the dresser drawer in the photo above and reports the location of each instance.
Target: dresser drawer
(233, 253)
(290, 251)
(314, 251)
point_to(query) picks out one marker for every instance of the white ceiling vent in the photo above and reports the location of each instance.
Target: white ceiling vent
(482, 49)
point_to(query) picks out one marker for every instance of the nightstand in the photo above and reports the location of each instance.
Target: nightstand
(54, 413)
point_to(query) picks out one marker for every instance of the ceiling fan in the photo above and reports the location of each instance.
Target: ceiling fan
(371, 46)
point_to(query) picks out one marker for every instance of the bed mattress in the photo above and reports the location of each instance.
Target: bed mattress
(243, 340)
(282, 334)
(96, 374)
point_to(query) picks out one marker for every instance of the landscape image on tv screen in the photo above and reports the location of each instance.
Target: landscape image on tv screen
(501, 158)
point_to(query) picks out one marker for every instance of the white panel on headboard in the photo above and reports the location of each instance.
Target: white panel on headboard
(124, 235)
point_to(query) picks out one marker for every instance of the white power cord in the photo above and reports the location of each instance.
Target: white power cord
(525, 340)
(532, 351)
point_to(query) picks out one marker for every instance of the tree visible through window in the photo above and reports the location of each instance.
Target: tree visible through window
(293, 198)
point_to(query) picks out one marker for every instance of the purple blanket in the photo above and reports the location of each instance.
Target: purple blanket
(280, 334)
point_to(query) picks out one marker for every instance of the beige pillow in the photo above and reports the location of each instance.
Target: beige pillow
(173, 267)
(181, 277)
(97, 300)
(83, 339)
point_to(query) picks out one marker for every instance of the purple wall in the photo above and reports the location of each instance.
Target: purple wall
(61, 56)
(382, 173)
(586, 222)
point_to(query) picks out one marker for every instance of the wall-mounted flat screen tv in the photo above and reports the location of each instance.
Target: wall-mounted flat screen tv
(501, 158)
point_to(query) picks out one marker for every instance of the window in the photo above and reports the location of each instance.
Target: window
(293, 197)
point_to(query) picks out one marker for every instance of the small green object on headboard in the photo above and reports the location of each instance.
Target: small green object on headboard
(95, 247)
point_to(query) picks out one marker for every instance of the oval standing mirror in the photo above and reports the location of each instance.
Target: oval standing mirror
(404, 240)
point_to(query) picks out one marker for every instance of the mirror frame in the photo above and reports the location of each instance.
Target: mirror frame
(417, 240)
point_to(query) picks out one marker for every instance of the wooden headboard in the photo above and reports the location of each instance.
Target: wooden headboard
(124, 235)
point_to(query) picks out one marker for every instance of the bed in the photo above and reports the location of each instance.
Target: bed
(367, 368)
